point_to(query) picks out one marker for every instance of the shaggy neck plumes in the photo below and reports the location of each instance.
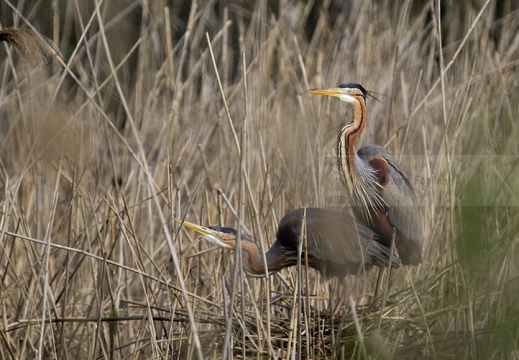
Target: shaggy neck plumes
(358, 176)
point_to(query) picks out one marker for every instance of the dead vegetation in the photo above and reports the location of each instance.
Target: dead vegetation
(98, 157)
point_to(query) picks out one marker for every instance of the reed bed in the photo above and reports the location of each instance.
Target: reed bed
(172, 109)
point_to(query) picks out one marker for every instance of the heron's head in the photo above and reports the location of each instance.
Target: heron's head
(345, 92)
(215, 237)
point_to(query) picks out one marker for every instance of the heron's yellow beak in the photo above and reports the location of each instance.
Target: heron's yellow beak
(335, 92)
(213, 236)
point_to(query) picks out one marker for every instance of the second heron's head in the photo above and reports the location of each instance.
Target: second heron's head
(215, 237)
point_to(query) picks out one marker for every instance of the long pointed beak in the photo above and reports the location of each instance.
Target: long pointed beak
(213, 236)
(335, 92)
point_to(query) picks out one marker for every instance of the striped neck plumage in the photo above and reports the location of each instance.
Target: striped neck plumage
(358, 176)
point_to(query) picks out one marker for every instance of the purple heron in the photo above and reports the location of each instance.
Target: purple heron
(380, 190)
(336, 244)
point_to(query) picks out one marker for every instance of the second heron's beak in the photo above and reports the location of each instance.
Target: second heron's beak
(213, 236)
(335, 92)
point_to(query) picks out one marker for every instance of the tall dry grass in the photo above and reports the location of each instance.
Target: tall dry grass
(100, 152)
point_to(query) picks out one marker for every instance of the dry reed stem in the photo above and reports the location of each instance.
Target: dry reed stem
(132, 133)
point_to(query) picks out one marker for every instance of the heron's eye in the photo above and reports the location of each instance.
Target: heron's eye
(349, 91)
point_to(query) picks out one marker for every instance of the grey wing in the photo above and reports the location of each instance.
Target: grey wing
(339, 239)
(404, 211)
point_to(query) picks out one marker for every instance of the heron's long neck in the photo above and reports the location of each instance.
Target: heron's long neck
(347, 159)
(358, 176)
(253, 259)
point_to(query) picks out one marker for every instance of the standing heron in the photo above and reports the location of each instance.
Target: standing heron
(336, 244)
(380, 189)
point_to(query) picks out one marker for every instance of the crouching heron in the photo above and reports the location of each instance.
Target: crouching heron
(336, 245)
